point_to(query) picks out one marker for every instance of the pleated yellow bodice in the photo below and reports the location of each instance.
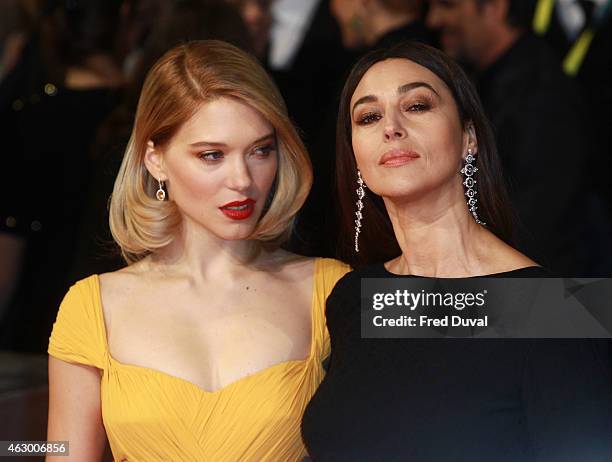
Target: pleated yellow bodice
(153, 416)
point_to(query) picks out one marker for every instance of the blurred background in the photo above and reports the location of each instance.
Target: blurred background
(70, 76)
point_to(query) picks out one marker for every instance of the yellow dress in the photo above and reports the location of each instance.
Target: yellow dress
(153, 416)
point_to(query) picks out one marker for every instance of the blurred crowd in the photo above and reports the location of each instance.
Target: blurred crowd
(71, 72)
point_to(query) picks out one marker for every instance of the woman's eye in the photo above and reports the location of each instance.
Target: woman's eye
(368, 118)
(264, 151)
(211, 156)
(418, 107)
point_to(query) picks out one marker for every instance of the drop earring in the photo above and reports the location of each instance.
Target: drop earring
(161, 193)
(470, 183)
(361, 187)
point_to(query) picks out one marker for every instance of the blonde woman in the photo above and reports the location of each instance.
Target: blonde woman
(208, 345)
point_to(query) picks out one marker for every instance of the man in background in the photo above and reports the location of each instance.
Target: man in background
(539, 122)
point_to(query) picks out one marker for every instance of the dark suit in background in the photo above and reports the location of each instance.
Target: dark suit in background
(311, 87)
(537, 114)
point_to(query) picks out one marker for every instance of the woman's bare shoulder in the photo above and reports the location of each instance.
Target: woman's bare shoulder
(288, 266)
(510, 258)
(124, 276)
(122, 286)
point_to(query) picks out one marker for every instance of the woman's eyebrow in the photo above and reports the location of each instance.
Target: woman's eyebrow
(400, 90)
(198, 144)
(363, 100)
(263, 138)
(411, 86)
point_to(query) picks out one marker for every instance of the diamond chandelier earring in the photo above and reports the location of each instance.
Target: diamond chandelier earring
(160, 194)
(361, 187)
(470, 183)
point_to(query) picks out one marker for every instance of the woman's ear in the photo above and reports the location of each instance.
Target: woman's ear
(154, 162)
(470, 142)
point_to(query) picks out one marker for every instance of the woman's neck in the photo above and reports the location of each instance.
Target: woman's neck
(200, 256)
(439, 238)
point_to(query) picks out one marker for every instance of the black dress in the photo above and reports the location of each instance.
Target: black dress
(456, 399)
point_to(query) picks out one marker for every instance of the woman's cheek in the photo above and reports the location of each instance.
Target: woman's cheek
(361, 148)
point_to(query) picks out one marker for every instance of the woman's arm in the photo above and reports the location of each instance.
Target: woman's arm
(75, 413)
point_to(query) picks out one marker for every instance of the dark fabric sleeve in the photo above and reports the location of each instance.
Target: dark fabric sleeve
(340, 303)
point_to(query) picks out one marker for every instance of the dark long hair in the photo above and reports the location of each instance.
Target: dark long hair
(377, 241)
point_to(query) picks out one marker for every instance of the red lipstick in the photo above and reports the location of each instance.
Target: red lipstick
(398, 157)
(239, 210)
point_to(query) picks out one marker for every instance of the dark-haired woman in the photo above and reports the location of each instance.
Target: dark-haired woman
(411, 134)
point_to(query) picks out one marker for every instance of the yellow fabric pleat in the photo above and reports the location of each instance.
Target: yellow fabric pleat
(153, 416)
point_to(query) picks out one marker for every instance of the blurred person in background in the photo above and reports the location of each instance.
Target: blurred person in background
(53, 101)
(137, 21)
(539, 119)
(14, 25)
(257, 17)
(9, 26)
(580, 33)
(308, 62)
(19, 20)
(368, 24)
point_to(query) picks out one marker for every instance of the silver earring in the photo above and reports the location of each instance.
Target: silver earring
(470, 183)
(160, 194)
(361, 187)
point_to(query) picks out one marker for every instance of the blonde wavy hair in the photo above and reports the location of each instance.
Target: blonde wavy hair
(186, 77)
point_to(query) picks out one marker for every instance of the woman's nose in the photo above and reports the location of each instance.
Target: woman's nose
(239, 176)
(394, 131)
